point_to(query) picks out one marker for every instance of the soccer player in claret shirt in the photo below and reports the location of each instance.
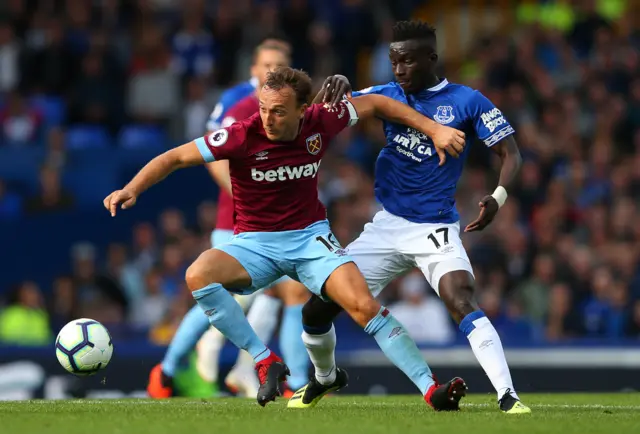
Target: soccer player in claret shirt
(420, 226)
(265, 308)
(281, 225)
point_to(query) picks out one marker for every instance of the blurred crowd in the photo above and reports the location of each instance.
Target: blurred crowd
(560, 261)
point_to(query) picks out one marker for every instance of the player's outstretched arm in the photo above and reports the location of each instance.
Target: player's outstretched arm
(444, 138)
(155, 171)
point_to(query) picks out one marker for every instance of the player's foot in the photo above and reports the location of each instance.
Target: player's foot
(511, 405)
(271, 373)
(309, 395)
(242, 382)
(446, 397)
(160, 384)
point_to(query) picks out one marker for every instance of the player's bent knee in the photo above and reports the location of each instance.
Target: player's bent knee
(195, 277)
(364, 310)
(215, 266)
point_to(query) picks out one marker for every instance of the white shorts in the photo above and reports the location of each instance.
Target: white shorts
(391, 245)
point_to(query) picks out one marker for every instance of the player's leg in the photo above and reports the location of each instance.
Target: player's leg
(376, 258)
(294, 295)
(347, 287)
(192, 327)
(449, 272)
(263, 318)
(210, 276)
(334, 274)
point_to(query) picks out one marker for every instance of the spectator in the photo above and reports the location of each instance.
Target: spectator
(99, 296)
(196, 110)
(153, 90)
(20, 123)
(52, 197)
(50, 68)
(425, 318)
(193, 47)
(151, 309)
(25, 321)
(94, 98)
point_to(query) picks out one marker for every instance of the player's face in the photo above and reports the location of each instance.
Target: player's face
(413, 63)
(267, 61)
(280, 113)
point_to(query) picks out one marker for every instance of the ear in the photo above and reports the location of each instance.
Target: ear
(303, 108)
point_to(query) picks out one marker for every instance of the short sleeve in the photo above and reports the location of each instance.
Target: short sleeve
(224, 144)
(382, 89)
(336, 119)
(488, 122)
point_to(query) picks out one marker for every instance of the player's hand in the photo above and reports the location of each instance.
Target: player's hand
(448, 140)
(125, 198)
(336, 87)
(488, 209)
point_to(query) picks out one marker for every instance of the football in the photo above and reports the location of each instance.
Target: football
(84, 347)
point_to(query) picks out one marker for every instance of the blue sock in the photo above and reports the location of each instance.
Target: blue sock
(396, 344)
(293, 350)
(226, 315)
(466, 326)
(193, 326)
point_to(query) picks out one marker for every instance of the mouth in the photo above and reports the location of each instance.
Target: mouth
(404, 83)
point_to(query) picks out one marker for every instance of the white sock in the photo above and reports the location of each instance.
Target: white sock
(263, 318)
(487, 348)
(208, 351)
(321, 349)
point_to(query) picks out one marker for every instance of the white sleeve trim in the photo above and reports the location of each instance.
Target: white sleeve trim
(499, 135)
(353, 114)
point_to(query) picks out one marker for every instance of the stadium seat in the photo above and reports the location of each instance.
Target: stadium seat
(142, 136)
(51, 107)
(87, 136)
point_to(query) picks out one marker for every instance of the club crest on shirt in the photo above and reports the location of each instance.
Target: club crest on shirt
(444, 115)
(314, 144)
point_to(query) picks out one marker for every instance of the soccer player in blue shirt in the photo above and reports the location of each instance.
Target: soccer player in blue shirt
(420, 226)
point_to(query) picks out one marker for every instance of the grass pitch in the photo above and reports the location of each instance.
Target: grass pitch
(566, 414)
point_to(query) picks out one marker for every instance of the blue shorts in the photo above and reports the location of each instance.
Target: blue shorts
(307, 255)
(222, 236)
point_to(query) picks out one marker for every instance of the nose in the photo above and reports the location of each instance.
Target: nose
(269, 119)
(399, 70)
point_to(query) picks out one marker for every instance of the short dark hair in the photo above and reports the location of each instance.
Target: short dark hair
(296, 79)
(273, 44)
(407, 30)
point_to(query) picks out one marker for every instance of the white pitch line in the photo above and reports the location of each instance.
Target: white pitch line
(353, 403)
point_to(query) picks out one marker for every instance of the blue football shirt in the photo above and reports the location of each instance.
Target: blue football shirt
(408, 181)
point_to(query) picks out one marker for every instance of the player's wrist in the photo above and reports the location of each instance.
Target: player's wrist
(500, 195)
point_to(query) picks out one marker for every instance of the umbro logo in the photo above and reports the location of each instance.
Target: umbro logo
(262, 155)
(397, 331)
(209, 312)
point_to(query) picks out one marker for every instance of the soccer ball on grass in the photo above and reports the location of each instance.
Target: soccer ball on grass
(84, 347)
